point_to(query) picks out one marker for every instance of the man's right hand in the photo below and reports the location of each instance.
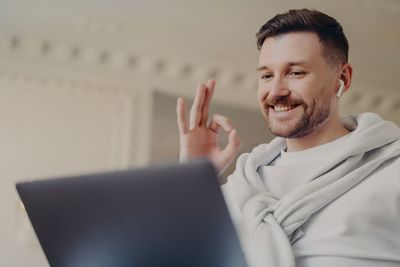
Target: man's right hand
(199, 139)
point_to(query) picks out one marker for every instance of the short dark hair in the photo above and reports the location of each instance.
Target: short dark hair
(330, 32)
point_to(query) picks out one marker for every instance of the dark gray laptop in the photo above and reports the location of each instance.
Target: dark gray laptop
(166, 215)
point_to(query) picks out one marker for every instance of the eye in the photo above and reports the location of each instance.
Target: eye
(266, 76)
(297, 73)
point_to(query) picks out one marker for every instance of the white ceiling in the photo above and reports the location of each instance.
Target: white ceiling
(212, 32)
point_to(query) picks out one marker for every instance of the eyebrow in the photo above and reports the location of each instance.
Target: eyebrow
(264, 67)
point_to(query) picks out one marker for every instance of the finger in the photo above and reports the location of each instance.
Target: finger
(222, 121)
(206, 105)
(233, 146)
(181, 116)
(195, 112)
(214, 126)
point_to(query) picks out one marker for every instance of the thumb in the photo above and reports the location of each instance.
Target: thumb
(233, 146)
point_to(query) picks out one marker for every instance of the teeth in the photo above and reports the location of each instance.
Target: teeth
(280, 108)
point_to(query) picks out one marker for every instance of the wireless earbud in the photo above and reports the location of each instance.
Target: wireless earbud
(341, 88)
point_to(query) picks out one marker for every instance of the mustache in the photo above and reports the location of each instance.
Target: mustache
(283, 100)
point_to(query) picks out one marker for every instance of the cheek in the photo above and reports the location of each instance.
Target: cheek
(310, 92)
(324, 95)
(320, 99)
(261, 93)
(259, 96)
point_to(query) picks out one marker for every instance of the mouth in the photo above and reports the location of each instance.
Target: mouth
(282, 108)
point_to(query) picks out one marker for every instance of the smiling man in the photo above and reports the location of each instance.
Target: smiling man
(326, 190)
(297, 85)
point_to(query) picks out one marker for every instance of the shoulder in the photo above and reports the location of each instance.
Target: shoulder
(390, 169)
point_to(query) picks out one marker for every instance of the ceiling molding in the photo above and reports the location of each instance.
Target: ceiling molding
(79, 56)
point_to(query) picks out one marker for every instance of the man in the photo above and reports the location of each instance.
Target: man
(326, 191)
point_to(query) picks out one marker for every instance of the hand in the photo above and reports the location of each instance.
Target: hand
(201, 140)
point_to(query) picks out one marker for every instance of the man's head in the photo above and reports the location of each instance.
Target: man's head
(303, 55)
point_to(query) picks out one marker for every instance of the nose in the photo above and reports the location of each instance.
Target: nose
(273, 89)
(278, 88)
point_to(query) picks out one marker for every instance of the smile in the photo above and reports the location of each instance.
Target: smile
(283, 108)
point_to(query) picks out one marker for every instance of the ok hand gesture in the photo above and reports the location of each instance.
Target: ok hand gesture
(200, 139)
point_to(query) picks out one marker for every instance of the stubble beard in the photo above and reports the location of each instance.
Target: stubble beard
(312, 117)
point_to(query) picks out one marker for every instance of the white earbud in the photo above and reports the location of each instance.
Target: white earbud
(341, 88)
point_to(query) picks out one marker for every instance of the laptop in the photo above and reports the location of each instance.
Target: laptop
(166, 215)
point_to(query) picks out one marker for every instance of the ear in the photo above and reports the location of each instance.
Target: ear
(346, 76)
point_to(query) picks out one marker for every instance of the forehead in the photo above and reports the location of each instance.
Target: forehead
(291, 47)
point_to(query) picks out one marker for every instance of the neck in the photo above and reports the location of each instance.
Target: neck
(328, 131)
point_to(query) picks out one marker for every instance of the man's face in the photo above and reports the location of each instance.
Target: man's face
(296, 85)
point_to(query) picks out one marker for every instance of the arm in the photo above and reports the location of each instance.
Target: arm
(199, 139)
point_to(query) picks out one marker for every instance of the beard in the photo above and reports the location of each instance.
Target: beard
(312, 117)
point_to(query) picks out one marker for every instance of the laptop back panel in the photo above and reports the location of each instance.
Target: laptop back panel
(171, 215)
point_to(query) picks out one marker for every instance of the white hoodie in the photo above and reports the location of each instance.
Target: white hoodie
(345, 212)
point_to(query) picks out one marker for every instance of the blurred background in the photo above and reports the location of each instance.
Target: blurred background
(91, 86)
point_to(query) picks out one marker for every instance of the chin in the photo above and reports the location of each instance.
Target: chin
(290, 129)
(286, 127)
(280, 130)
